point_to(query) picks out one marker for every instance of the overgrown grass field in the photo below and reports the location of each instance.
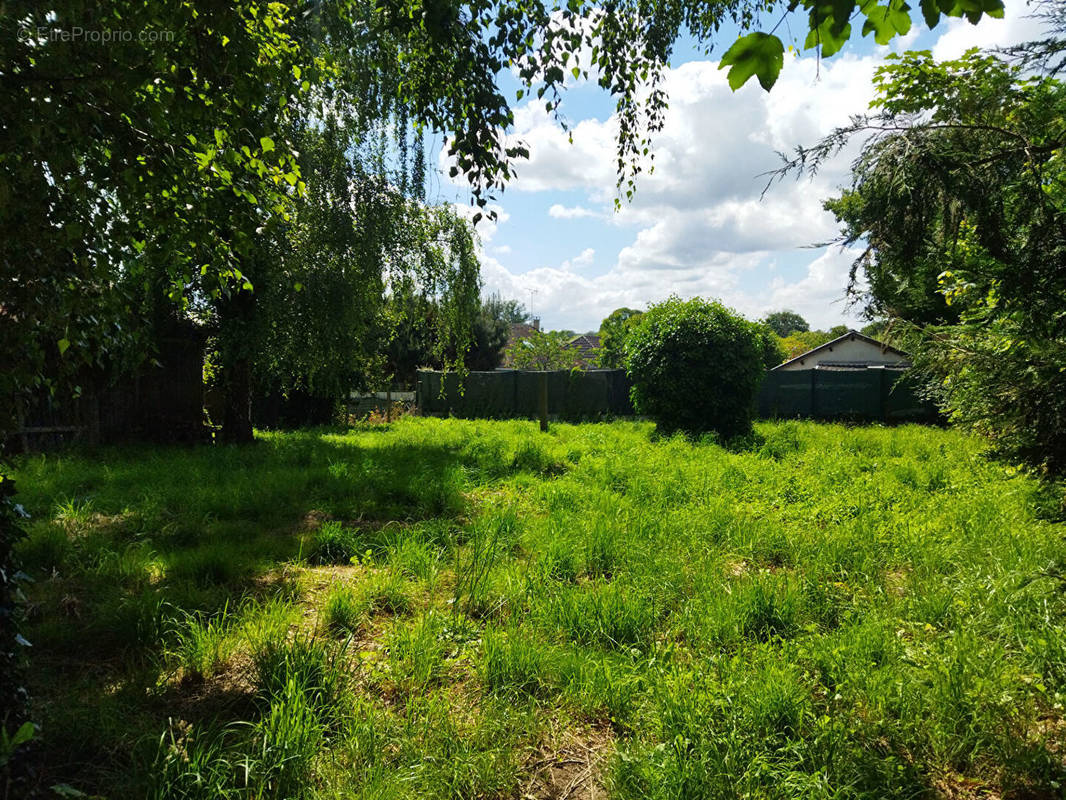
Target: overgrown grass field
(441, 608)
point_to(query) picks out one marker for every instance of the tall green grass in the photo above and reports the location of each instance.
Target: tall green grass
(453, 609)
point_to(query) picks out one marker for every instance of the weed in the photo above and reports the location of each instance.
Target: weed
(193, 763)
(388, 592)
(288, 740)
(515, 663)
(602, 614)
(203, 644)
(474, 562)
(306, 662)
(334, 544)
(416, 558)
(345, 611)
(417, 651)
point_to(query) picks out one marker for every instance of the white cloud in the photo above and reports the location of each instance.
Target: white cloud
(701, 227)
(1017, 26)
(819, 297)
(556, 164)
(904, 42)
(569, 300)
(559, 211)
(584, 259)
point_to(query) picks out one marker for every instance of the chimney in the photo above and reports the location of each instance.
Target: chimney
(536, 323)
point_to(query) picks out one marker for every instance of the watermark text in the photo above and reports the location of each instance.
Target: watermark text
(79, 35)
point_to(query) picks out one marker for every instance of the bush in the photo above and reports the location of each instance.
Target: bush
(696, 366)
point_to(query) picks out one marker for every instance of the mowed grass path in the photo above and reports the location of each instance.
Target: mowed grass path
(444, 608)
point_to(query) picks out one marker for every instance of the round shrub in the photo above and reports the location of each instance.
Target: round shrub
(696, 366)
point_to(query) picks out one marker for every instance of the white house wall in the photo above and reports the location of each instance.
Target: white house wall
(847, 350)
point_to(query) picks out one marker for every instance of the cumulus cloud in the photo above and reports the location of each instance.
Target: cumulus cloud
(559, 211)
(567, 299)
(700, 224)
(820, 296)
(582, 260)
(1018, 25)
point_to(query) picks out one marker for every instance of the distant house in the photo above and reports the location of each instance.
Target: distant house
(853, 350)
(588, 346)
(518, 332)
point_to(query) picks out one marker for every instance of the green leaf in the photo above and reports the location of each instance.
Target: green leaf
(758, 54)
(63, 345)
(974, 9)
(931, 12)
(22, 735)
(267, 144)
(830, 42)
(886, 21)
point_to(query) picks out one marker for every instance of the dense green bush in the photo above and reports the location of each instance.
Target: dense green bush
(696, 367)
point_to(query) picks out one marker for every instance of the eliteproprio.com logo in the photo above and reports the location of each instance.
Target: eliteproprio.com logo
(77, 35)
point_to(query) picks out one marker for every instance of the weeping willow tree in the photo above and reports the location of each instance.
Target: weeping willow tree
(324, 302)
(311, 312)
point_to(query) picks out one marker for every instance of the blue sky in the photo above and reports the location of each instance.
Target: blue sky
(696, 226)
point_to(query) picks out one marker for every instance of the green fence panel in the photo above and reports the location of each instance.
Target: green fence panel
(526, 388)
(903, 404)
(580, 395)
(427, 392)
(866, 394)
(619, 402)
(851, 394)
(786, 393)
(859, 394)
(488, 395)
(588, 397)
(558, 392)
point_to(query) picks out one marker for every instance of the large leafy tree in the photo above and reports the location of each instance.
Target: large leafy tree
(785, 323)
(508, 312)
(166, 174)
(960, 199)
(544, 350)
(613, 332)
(113, 156)
(415, 341)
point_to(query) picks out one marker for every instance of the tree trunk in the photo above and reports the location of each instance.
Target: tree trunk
(237, 312)
(237, 420)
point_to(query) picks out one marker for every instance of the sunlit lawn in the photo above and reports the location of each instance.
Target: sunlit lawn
(474, 609)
